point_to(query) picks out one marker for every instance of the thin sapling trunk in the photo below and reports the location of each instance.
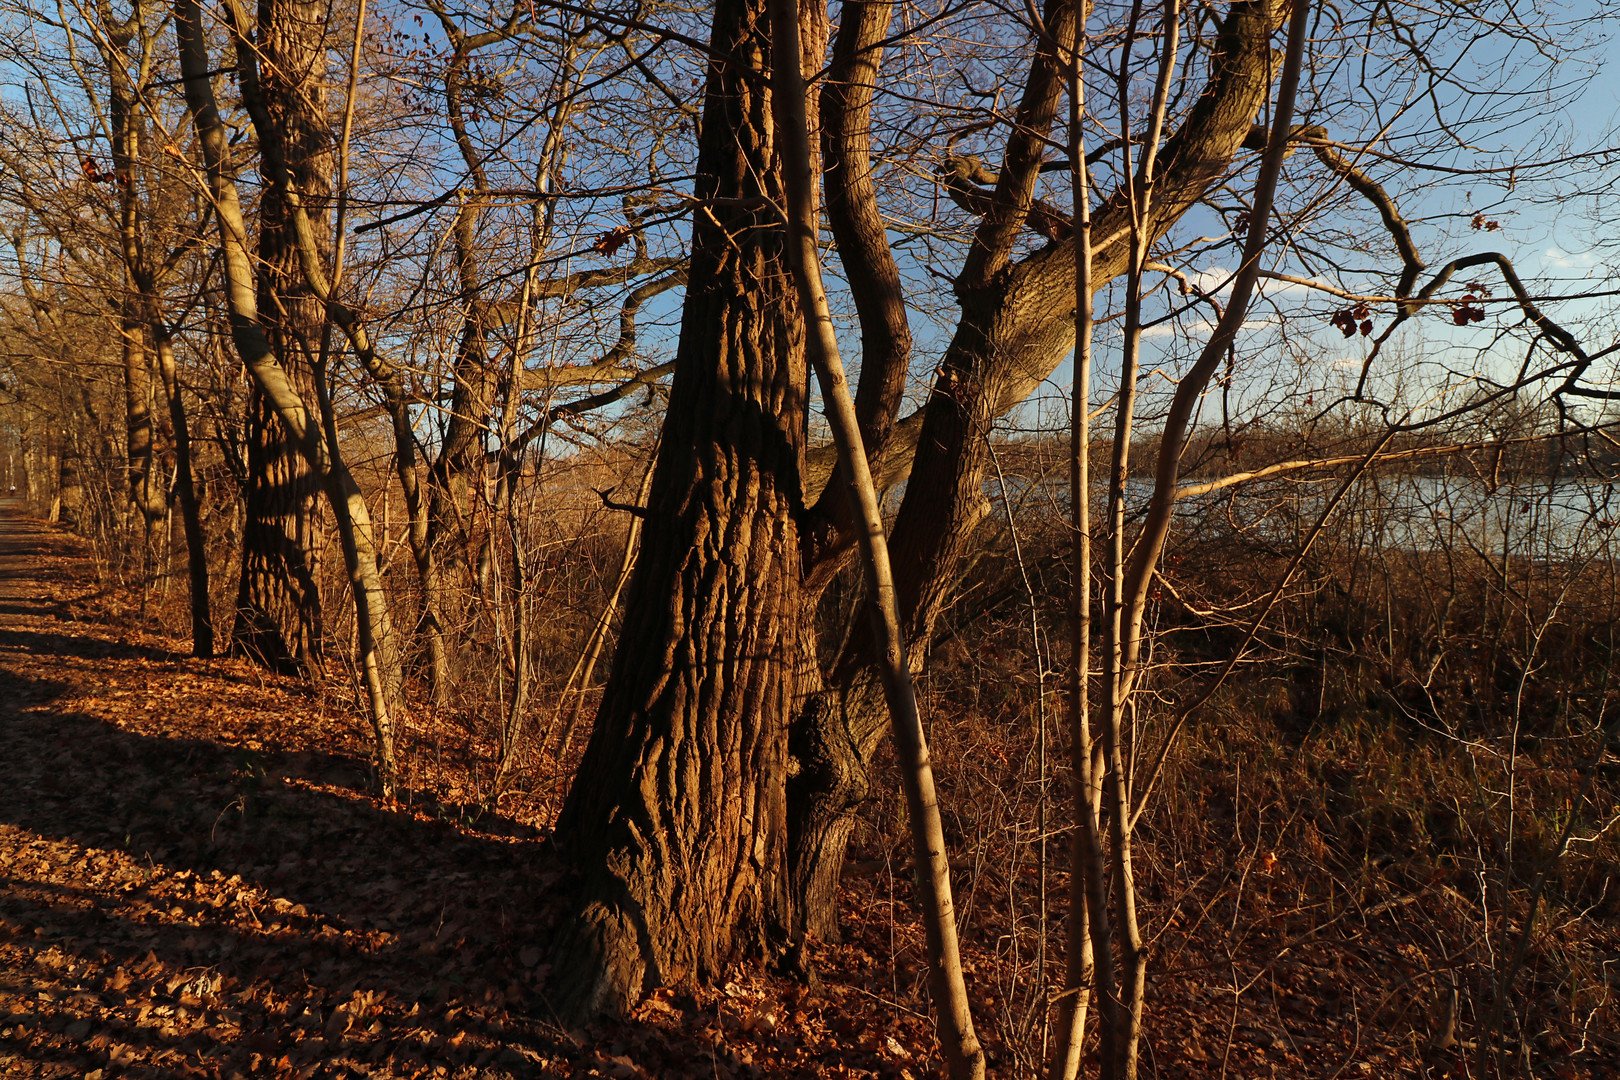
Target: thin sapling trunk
(960, 1047)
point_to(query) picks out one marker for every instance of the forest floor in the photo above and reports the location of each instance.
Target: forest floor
(197, 879)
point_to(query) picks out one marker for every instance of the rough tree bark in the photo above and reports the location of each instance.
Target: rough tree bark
(278, 604)
(675, 825)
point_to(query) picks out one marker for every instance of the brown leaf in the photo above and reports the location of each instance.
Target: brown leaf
(612, 240)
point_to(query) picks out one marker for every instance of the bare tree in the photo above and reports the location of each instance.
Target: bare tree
(314, 429)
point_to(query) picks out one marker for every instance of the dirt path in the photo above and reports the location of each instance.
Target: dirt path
(193, 881)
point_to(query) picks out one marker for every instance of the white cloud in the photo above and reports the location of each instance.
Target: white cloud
(1566, 261)
(1199, 326)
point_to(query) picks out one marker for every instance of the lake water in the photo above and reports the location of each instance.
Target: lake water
(1563, 521)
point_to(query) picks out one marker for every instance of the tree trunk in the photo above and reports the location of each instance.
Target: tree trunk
(1069, 1033)
(450, 495)
(832, 756)
(202, 623)
(278, 603)
(36, 473)
(278, 619)
(830, 782)
(50, 482)
(144, 491)
(675, 823)
(461, 454)
(68, 506)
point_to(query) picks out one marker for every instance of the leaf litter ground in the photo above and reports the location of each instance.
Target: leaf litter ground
(197, 880)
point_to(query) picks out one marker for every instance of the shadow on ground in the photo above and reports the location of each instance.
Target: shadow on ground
(179, 906)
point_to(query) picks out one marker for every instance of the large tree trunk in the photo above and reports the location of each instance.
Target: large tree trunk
(675, 823)
(964, 1057)
(830, 753)
(278, 604)
(278, 617)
